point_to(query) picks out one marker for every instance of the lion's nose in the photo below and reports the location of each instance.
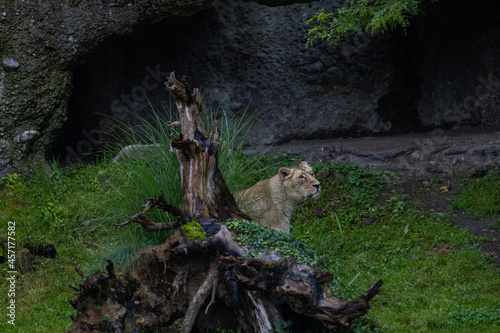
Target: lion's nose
(316, 185)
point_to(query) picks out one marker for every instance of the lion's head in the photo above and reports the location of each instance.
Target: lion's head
(299, 182)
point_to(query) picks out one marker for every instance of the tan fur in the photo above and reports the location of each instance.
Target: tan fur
(271, 201)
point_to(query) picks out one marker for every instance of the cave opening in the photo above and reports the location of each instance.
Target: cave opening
(123, 80)
(439, 61)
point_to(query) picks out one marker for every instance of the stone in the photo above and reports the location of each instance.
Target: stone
(296, 93)
(317, 67)
(4, 160)
(313, 79)
(235, 106)
(325, 172)
(10, 63)
(414, 157)
(26, 136)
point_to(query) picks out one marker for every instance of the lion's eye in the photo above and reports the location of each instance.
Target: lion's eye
(301, 176)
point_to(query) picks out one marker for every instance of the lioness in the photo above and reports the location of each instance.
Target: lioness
(271, 201)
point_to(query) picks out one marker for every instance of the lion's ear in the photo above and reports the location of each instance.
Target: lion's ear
(285, 173)
(304, 165)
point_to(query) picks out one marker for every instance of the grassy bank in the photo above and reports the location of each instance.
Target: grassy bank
(435, 277)
(480, 198)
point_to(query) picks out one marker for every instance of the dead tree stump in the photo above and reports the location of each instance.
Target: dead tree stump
(184, 284)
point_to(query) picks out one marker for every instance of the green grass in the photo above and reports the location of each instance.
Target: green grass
(49, 208)
(480, 198)
(435, 277)
(154, 169)
(429, 266)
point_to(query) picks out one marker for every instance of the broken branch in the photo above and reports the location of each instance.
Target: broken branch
(149, 225)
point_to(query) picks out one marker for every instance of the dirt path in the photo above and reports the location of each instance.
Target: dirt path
(439, 157)
(461, 151)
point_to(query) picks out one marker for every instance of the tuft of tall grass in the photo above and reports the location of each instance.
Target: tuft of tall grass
(147, 167)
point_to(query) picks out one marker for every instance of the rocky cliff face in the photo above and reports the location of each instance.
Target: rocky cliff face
(248, 58)
(41, 42)
(66, 65)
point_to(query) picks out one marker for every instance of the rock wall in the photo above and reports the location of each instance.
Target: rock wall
(41, 43)
(249, 59)
(67, 68)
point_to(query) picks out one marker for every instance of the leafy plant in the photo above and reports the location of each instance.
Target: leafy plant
(261, 239)
(13, 183)
(475, 315)
(357, 16)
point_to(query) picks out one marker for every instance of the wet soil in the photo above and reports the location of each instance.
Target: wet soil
(424, 162)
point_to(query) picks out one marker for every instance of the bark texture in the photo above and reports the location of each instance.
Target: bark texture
(205, 194)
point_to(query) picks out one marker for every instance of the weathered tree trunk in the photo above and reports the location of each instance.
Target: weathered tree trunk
(206, 197)
(205, 194)
(185, 284)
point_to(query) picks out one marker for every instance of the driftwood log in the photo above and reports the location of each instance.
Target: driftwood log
(186, 285)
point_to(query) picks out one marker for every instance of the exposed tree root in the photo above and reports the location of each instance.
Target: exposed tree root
(214, 290)
(172, 281)
(199, 298)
